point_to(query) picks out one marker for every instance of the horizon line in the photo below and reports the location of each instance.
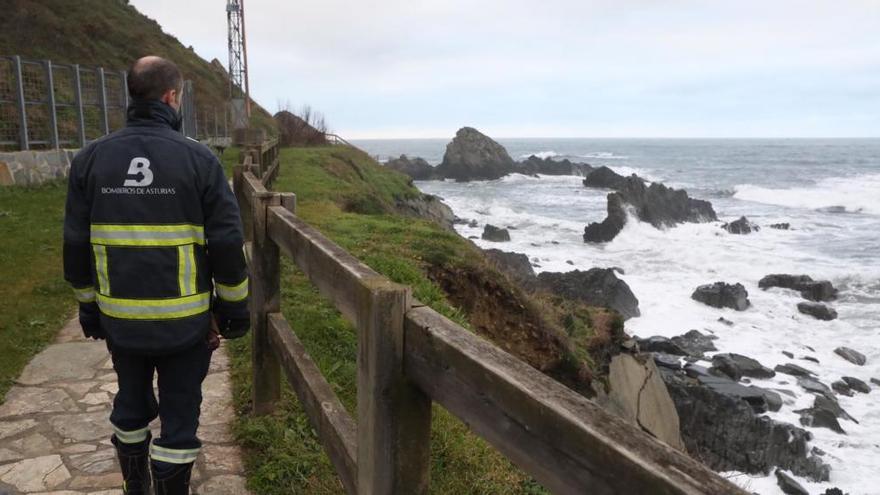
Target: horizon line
(612, 137)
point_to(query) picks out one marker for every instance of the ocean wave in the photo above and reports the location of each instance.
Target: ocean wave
(603, 155)
(860, 194)
(543, 155)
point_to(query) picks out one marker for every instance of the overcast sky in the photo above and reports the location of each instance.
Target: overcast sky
(557, 68)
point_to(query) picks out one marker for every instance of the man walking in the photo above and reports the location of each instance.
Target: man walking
(153, 250)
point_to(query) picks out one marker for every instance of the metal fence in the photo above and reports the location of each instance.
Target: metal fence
(45, 105)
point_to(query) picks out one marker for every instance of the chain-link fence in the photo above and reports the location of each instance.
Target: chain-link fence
(44, 105)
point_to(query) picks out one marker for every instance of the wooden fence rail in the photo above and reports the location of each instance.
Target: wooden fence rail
(408, 357)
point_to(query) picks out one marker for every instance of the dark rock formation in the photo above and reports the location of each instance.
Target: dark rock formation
(817, 310)
(851, 355)
(813, 385)
(608, 229)
(793, 370)
(428, 207)
(830, 404)
(655, 204)
(695, 343)
(820, 418)
(788, 485)
(737, 366)
(741, 226)
(725, 433)
(495, 234)
(472, 155)
(416, 168)
(842, 388)
(605, 178)
(596, 287)
(517, 266)
(813, 290)
(661, 345)
(547, 166)
(761, 400)
(723, 295)
(857, 385)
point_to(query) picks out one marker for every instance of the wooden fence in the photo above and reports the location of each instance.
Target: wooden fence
(410, 356)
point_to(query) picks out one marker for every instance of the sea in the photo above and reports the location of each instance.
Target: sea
(828, 190)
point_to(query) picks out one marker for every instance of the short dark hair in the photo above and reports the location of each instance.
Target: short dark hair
(151, 77)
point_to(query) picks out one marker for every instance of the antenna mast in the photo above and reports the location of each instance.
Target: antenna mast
(239, 88)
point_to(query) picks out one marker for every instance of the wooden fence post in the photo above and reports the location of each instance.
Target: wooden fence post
(265, 283)
(394, 417)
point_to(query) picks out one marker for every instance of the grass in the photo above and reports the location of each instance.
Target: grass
(340, 192)
(36, 299)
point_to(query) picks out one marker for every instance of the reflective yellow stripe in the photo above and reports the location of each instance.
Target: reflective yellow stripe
(173, 456)
(85, 294)
(101, 269)
(233, 293)
(186, 270)
(154, 309)
(136, 436)
(147, 235)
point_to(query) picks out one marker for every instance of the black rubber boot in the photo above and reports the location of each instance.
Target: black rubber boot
(173, 482)
(134, 460)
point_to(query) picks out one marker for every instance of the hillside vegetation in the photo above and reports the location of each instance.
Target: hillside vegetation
(112, 34)
(353, 200)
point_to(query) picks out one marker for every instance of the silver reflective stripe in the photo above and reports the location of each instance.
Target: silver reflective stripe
(137, 235)
(173, 456)
(147, 235)
(186, 270)
(101, 269)
(136, 436)
(233, 293)
(85, 294)
(168, 308)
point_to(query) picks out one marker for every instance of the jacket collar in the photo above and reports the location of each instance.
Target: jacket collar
(152, 113)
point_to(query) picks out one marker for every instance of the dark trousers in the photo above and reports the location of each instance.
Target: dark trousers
(180, 397)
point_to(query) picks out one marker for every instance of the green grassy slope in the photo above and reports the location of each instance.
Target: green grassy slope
(35, 299)
(350, 198)
(108, 33)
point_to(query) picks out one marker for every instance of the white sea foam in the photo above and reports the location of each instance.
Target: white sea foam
(664, 266)
(859, 194)
(603, 155)
(543, 155)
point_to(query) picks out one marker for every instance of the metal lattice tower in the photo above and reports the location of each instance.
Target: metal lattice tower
(239, 88)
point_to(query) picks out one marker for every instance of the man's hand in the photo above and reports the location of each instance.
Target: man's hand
(213, 337)
(90, 321)
(232, 328)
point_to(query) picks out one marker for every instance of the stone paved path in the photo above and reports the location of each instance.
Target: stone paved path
(55, 433)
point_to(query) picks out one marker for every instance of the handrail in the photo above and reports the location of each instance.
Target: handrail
(409, 356)
(337, 140)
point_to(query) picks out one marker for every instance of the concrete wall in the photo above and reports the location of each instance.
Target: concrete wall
(34, 167)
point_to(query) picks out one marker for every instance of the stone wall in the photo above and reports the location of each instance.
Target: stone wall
(34, 167)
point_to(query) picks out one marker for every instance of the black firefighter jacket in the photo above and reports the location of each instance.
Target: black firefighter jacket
(151, 231)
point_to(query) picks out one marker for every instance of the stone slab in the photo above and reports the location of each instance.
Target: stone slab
(224, 485)
(83, 427)
(12, 428)
(221, 458)
(37, 474)
(100, 462)
(64, 362)
(32, 400)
